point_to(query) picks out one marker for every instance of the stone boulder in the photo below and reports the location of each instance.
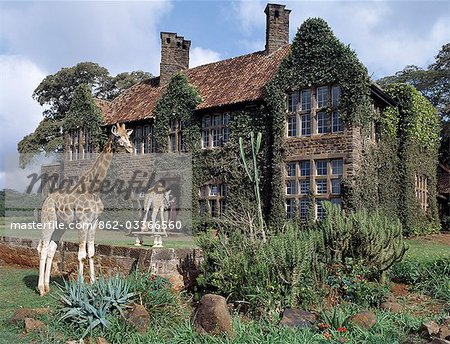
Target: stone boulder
(429, 329)
(364, 319)
(139, 318)
(33, 325)
(393, 307)
(298, 318)
(212, 315)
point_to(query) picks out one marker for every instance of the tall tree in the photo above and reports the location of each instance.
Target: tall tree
(57, 93)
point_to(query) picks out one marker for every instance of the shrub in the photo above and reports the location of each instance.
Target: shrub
(369, 237)
(86, 306)
(282, 271)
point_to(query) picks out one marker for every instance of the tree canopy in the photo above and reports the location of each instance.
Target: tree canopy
(71, 90)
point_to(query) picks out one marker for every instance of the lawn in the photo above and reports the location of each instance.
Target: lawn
(428, 248)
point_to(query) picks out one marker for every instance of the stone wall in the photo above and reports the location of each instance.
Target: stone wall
(108, 259)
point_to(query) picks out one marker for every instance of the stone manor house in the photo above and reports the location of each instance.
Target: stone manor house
(322, 149)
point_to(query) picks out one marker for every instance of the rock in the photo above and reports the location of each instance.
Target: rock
(297, 318)
(364, 319)
(399, 289)
(212, 315)
(139, 318)
(23, 313)
(393, 307)
(176, 280)
(444, 331)
(429, 329)
(101, 340)
(32, 325)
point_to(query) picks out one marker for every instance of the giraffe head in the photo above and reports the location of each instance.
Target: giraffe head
(122, 137)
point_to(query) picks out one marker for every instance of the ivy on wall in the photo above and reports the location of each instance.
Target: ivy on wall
(84, 113)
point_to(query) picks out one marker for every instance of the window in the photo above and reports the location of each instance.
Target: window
(290, 208)
(292, 126)
(290, 187)
(292, 102)
(337, 125)
(175, 136)
(304, 208)
(306, 100)
(305, 186)
(322, 123)
(215, 130)
(322, 97)
(421, 182)
(304, 119)
(324, 184)
(321, 167)
(337, 167)
(79, 144)
(320, 210)
(213, 195)
(143, 139)
(306, 124)
(321, 186)
(335, 96)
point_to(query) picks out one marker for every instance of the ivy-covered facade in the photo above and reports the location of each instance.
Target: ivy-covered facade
(328, 132)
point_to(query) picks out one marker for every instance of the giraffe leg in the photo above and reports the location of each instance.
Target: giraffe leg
(163, 220)
(91, 251)
(81, 251)
(154, 214)
(48, 265)
(43, 250)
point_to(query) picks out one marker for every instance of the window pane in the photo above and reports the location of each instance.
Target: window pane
(226, 135)
(223, 207)
(306, 125)
(336, 201)
(217, 120)
(335, 95)
(205, 139)
(213, 190)
(337, 122)
(206, 121)
(290, 205)
(292, 102)
(290, 169)
(213, 207)
(321, 186)
(304, 208)
(223, 190)
(306, 100)
(305, 186)
(292, 126)
(337, 167)
(305, 168)
(320, 211)
(216, 135)
(226, 118)
(322, 96)
(290, 187)
(321, 168)
(322, 123)
(336, 186)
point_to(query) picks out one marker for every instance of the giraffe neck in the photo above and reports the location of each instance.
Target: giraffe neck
(97, 173)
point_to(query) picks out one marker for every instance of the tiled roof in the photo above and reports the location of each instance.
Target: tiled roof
(226, 82)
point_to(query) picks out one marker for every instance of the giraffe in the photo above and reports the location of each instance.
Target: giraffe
(160, 199)
(78, 205)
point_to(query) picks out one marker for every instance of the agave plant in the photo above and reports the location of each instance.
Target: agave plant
(88, 306)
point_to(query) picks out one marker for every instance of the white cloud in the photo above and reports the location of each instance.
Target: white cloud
(200, 56)
(121, 36)
(387, 35)
(19, 113)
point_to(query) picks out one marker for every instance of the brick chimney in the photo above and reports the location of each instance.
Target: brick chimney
(174, 56)
(277, 27)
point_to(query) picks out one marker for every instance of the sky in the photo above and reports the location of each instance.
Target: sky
(40, 38)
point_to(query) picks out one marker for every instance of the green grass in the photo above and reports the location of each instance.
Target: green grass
(425, 251)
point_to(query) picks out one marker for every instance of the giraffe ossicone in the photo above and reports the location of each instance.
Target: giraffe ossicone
(81, 205)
